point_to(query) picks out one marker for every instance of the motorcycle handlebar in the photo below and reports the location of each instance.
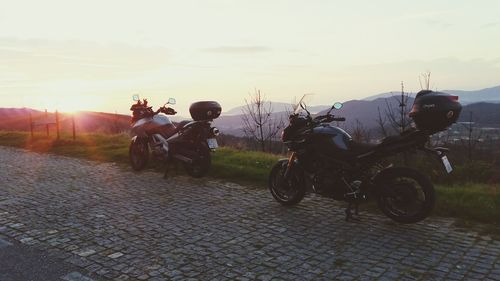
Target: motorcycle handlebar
(328, 118)
(167, 110)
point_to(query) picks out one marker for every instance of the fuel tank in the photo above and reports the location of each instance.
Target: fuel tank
(331, 140)
(158, 124)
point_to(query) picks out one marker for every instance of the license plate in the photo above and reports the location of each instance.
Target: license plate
(212, 143)
(447, 164)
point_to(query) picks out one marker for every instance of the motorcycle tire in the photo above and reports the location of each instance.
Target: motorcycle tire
(286, 193)
(201, 164)
(138, 155)
(399, 191)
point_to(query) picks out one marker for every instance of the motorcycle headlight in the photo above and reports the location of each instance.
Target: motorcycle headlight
(214, 131)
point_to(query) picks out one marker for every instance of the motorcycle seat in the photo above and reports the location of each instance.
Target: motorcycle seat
(358, 148)
(397, 138)
(391, 139)
(182, 124)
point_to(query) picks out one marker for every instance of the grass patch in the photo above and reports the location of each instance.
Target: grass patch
(247, 166)
(470, 202)
(227, 163)
(106, 148)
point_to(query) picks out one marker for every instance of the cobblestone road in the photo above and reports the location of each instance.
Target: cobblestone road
(121, 225)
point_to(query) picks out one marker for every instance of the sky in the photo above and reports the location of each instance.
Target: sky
(94, 55)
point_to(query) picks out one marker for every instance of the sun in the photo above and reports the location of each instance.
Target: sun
(75, 103)
(66, 103)
(69, 96)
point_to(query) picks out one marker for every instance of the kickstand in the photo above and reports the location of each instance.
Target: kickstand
(349, 214)
(165, 175)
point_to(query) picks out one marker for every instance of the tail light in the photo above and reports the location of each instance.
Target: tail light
(453, 98)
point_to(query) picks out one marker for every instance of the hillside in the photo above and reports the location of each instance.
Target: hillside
(19, 120)
(486, 113)
(366, 112)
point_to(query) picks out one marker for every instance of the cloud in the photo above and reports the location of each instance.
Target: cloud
(438, 23)
(44, 60)
(447, 73)
(238, 49)
(431, 14)
(489, 25)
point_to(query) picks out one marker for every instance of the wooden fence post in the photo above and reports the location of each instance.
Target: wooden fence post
(74, 131)
(46, 120)
(31, 126)
(57, 124)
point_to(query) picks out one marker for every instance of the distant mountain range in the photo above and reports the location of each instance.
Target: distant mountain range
(484, 105)
(491, 95)
(277, 107)
(366, 112)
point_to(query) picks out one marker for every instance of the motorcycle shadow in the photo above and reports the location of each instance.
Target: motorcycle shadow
(314, 214)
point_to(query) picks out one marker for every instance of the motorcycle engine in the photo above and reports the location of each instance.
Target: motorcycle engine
(330, 184)
(160, 150)
(336, 187)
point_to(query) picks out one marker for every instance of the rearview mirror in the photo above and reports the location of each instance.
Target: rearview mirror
(337, 105)
(171, 101)
(135, 97)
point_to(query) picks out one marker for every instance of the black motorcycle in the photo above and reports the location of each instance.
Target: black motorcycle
(189, 142)
(326, 160)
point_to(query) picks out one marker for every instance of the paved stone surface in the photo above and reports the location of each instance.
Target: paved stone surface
(137, 226)
(76, 276)
(21, 262)
(4, 243)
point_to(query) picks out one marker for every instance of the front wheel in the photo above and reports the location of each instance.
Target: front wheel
(202, 161)
(287, 192)
(405, 195)
(138, 154)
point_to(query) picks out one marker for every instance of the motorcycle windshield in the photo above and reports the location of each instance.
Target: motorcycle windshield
(302, 103)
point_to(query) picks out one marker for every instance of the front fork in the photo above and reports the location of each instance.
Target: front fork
(289, 165)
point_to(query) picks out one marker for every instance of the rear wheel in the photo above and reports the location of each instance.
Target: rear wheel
(138, 154)
(202, 161)
(287, 192)
(405, 195)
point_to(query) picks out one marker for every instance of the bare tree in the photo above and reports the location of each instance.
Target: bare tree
(259, 122)
(360, 133)
(473, 136)
(381, 124)
(426, 77)
(398, 118)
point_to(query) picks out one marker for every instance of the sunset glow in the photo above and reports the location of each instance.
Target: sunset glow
(65, 102)
(94, 55)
